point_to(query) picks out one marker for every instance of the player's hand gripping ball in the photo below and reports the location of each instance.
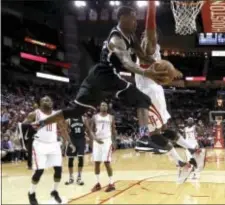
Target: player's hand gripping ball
(164, 72)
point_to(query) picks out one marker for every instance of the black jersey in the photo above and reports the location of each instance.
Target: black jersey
(109, 58)
(77, 128)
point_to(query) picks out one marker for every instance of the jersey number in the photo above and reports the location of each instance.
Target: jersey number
(49, 127)
(152, 121)
(77, 130)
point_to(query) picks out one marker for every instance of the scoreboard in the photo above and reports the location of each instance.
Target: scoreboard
(211, 39)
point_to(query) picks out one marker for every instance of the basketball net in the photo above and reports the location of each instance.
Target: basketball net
(185, 13)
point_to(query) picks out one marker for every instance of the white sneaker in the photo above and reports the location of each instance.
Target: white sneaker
(184, 172)
(200, 156)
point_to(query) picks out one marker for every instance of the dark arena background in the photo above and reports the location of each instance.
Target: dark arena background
(49, 47)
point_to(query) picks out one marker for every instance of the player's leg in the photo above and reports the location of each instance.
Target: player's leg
(39, 164)
(55, 160)
(107, 157)
(71, 155)
(159, 142)
(197, 155)
(80, 156)
(131, 96)
(70, 169)
(97, 158)
(57, 179)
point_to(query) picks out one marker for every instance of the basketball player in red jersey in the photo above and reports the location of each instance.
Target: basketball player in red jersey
(103, 125)
(118, 54)
(46, 149)
(158, 114)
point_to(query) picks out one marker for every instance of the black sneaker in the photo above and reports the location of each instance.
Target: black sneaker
(71, 181)
(80, 182)
(143, 145)
(56, 196)
(193, 162)
(32, 199)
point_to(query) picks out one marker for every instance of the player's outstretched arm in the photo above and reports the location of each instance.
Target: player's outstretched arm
(142, 55)
(118, 47)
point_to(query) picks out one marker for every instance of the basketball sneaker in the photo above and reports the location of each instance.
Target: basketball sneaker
(146, 144)
(199, 156)
(143, 145)
(71, 181)
(55, 195)
(80, 182)
(32, 199)
(97, 187)
(184, 172)
(111, 187)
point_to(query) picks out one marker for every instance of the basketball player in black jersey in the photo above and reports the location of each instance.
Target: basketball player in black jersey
(118, 54)
(77, 137)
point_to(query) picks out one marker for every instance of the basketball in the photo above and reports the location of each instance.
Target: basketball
(164, 65)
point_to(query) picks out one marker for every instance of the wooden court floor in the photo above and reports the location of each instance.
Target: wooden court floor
(140, 178)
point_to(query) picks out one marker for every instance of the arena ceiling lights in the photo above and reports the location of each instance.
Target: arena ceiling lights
(139, 4)
(114, 3)
(142, 4)
(80, 4)
(52, 77)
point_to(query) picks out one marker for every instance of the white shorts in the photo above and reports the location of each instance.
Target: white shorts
(158, 114)
(193, 142)
(46, 155)
(102, 152)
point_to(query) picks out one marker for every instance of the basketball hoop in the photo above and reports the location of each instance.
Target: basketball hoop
(185, 13)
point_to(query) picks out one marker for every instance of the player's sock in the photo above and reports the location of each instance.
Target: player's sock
(173, 153)
(55, 186)
(33, 188)
(71, 176)
(79, 175)
(110, 180)
(183, 143)
(97, 178)
(143, 131)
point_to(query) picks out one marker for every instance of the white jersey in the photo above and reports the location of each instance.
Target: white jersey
(158, 114)
(143, 82)
(103, 126)
(190, 133)
(47, 133)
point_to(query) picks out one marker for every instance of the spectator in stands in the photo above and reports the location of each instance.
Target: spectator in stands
(7, 146)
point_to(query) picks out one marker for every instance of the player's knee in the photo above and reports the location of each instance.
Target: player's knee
(161, 142)
(70, 162)
(37, 175)
(171, 135)
(80, 161)
(57, 174)
(75, 111)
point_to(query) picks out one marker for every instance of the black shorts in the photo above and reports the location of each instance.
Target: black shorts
(102, 79)
(79, 144)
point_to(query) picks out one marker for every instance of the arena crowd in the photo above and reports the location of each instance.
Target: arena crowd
(20, 99)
